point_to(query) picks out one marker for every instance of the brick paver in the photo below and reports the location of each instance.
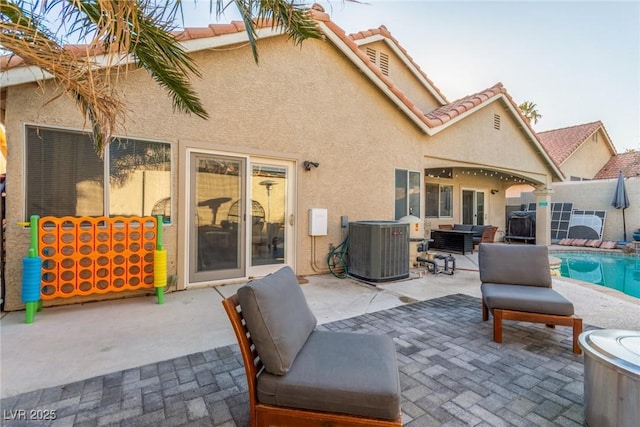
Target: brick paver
(451, 374)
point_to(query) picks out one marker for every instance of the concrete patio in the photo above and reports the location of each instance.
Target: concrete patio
(133, 362)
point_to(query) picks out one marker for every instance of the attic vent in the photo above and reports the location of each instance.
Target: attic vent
(496, 121)
(384, 63)
(371, 53)
(594, 138)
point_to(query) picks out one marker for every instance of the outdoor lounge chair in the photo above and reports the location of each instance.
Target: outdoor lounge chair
(299, 376)
(516, 285)
(487, 236)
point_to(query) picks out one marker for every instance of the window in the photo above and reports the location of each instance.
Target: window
(407, 193)
(439, 201)
(66, 177)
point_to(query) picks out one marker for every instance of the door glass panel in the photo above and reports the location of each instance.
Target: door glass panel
(467, 207)
(269, 213)
(480, 208)
(401, 193)
(217, 204)
(414, 193)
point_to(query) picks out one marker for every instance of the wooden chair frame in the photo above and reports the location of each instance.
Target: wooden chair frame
(550, 320)
(270, 415)
(488, 235)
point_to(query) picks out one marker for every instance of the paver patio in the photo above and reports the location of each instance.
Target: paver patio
(452, 374)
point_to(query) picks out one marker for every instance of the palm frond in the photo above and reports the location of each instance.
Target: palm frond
(145, 36)
(139, 29)
(23, 34)
(292, 16)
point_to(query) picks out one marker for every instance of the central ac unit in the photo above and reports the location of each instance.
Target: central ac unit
(378, 250)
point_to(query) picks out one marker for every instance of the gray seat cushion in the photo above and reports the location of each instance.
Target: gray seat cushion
(514, 264)
(531, 299)
(341, 372)
(278, 317)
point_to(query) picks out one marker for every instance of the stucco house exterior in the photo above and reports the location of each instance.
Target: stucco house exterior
(350, 124)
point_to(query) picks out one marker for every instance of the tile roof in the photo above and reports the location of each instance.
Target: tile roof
(628, 163)
(384, 32)
(462, 105)
(434, 119)
(189, 33)
(560, 143)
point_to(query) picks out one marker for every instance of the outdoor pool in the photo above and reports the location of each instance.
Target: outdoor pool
(615, 271)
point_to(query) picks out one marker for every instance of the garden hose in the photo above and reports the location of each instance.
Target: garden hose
(337, 259)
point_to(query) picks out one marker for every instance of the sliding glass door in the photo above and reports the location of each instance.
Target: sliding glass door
(218, 223)
(241, 216)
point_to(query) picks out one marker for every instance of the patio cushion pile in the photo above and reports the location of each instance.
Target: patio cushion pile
(602, 244)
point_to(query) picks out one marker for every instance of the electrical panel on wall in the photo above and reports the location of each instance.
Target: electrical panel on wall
(318, 222)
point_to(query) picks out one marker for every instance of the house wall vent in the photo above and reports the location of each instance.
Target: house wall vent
(372, 54)
(496, 121)
(384, 63)
(378, 250)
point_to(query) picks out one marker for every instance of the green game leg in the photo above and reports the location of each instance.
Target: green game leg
(31, 308)
(160, 294)
(39, 305)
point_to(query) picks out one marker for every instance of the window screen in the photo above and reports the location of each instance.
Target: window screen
(66, 176)
(439, 201)
(431, 202)
(408, 189)
(139, 178)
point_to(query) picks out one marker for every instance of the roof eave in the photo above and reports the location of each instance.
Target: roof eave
(31, 73)
(417, 117)
(417, 74)
(532, 135)
(204, 43)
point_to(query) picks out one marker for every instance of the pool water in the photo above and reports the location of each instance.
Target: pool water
(615, 271)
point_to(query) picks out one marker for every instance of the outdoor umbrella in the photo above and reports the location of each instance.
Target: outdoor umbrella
(621, 200)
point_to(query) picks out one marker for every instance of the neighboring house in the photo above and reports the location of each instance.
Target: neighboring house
(350, 124)
(627, 163)
(589, 161)
(581, 151)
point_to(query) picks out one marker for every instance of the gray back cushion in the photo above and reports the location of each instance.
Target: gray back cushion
(463, 227)
(514, 264)
(278, 318)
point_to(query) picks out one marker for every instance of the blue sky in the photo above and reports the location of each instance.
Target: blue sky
(579, 61)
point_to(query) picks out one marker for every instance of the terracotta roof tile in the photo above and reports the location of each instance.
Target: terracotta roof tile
(560, 143)
(10, 61)
(462, 105)
(190, 33)
(432, 119)
(628, 163)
